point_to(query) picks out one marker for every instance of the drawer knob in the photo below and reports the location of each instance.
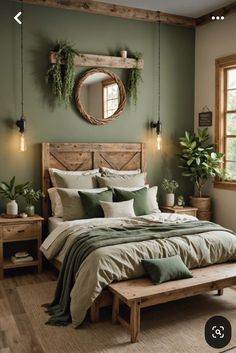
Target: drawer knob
(21, 231)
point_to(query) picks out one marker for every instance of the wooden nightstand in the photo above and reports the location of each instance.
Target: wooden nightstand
(17, 234)
(192, 211)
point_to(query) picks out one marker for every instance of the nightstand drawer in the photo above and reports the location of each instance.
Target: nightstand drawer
(190, 213)
(24, 230)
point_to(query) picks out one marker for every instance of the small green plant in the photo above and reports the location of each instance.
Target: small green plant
(31, 196)
(134, 79)
(199, 160)
(169, 186)
(10, 191)
(61, 76)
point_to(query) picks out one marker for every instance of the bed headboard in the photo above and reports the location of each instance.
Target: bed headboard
(83, 156)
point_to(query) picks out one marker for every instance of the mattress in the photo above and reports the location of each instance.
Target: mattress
(53, 222)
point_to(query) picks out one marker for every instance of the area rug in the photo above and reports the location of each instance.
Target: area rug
(175, 327)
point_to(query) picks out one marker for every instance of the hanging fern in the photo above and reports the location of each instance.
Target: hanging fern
(134, 79)
(61, 76)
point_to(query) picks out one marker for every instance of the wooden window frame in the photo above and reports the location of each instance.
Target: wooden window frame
(222, 65)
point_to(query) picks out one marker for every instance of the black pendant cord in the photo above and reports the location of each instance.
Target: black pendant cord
(22, 58)
(159, 71)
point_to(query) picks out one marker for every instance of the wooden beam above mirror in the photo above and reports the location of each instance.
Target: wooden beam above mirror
(102, 61)
(101, 8)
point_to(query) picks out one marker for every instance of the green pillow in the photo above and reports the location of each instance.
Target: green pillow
(166, 269)
(91, 203)
(140, 199)
(75, 181)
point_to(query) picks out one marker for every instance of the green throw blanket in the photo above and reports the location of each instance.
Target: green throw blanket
(59, 309)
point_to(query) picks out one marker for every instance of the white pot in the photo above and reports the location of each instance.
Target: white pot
(169, 200)
(12, 208)
(123, 54)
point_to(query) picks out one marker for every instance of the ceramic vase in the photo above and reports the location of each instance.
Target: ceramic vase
(169, 200)
(30, 210)
(12, 208)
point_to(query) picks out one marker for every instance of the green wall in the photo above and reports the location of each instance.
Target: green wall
(98, 35)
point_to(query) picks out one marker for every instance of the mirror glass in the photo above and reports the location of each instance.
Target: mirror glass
(100, 96)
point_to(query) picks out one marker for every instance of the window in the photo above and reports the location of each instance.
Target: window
(110, 98)
(226, 116)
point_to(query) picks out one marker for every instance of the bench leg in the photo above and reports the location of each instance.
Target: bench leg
(134, 321)
(94, 312)
(115, 308)
(220, 291)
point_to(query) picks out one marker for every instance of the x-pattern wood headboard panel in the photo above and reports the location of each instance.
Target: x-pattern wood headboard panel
(84, 156)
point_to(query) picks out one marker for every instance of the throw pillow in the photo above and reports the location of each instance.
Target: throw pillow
(118, 209)
(140, 197)
(166, 269)
(91, 203)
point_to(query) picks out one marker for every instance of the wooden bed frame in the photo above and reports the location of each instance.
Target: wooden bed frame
(84, 156)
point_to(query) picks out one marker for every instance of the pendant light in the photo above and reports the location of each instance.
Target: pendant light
(157, 125)
(21, 123)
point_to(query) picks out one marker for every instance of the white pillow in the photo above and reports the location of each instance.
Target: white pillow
(152, 199)
(118, 209)
(120, 172)
(56, 204)
(69, 172)
(152, 196)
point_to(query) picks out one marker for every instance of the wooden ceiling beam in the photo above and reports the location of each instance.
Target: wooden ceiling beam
(223, 11)
(101, 8)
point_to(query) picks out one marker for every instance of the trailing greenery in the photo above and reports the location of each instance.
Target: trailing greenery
(134, 78)
(169, 186)
(10, 191)
(31, 196)
(199, 160)
(61, 76)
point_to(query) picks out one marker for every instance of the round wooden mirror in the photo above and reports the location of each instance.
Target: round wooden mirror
(100, 96)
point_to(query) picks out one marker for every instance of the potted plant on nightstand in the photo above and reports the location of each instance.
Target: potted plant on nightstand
(200, 163)
(11, 192)
(169, 186)
(31, 196)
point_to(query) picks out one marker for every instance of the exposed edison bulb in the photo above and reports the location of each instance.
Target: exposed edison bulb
(159, 142)
(22, 142)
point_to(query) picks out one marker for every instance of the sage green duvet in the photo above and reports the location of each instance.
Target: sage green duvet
(106, 264)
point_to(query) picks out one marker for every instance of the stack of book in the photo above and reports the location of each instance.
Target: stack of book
(21, 256)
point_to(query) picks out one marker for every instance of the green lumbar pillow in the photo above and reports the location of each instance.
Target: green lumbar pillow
(140, 197)
(166, 269)
(91, 203)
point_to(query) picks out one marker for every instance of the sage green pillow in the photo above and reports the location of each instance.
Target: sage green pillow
(91, 203)
(141, 204)
(122, 180)
(166, 269)
(75, 181)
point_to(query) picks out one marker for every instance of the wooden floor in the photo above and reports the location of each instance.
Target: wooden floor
(13, 315)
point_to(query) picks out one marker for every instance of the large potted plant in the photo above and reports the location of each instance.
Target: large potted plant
(11, 191)
(200, 162)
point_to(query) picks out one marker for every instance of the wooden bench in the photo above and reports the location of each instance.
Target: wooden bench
(141, 293)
